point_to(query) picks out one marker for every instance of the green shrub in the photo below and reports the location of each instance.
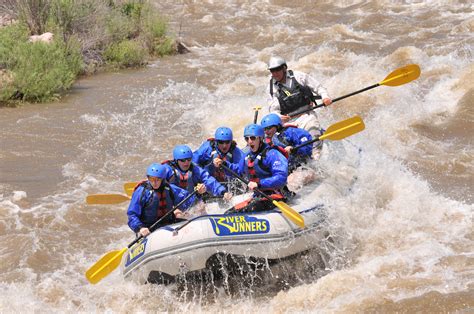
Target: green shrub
(10, 37)
(42, 70)
(73, 16)
(163, 47)
(6, 87)
(155, 25)
(128, 53)
(133, 9)
(154, 29)
(120, 27)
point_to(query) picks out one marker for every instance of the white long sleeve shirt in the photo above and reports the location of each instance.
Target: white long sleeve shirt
(302, 78)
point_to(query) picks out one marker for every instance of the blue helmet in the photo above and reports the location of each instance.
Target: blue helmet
(223, 134)
(254, 130)
(182, 152)
(271, 119)
(156, 170)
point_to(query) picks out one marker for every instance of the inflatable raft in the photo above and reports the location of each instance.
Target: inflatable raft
(198, 244)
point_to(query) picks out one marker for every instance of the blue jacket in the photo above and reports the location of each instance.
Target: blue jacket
(270, 165)
(206, 153)
(142, 211)
(198, 175)
(291, 136)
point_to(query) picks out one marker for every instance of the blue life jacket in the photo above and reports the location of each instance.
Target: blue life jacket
(156, 203)
(258, 171)
(219, 174)
(183, 180)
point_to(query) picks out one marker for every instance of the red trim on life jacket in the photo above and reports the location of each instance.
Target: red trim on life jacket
(252, 173)
(282, 151)
(138, 184)
(219, 173)
(183, 180)
(269, 141)
(162, 208)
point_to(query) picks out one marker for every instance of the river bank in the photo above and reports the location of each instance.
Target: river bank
(73, 40)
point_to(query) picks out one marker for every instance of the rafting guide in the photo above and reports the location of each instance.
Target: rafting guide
(291, 92)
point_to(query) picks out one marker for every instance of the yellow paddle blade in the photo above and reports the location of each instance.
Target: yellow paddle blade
(104, 266)
(106, 198)
(343, 129)
(129, 187)
(289, 212)
(402, 75)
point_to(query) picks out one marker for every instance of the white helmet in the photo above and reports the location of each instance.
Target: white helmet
(276, 62)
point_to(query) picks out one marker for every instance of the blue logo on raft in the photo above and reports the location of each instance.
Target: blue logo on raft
(136, 251)
(235, 225)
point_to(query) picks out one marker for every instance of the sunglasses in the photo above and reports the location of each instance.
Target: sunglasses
(276, 69)
(185, 159)
(247, 138)
(268, 128)
(223, 142)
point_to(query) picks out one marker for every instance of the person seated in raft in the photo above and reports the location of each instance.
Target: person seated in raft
(267, 170)
(182, 172)
(285, 138)
(153, 198)
(221, 149)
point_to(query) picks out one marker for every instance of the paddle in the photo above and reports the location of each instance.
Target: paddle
(398, 77)
(255, 116)
(129, 187)
(106, 199)
(112, 259)
(289, 212)
(337, 131)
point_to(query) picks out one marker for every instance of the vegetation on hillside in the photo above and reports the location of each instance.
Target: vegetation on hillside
(89, 35)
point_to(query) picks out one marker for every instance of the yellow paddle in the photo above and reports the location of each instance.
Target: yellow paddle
(112, 259)
(129, 187)
(289, 212)
(338, 131)
(398, 77)
(106, 199)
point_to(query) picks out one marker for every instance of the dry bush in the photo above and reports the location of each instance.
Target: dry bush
(33, 12)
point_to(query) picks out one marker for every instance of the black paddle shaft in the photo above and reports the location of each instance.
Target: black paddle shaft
(335, 99)
(294, 149)
(255, 117)
(246, 182)
(162, 218)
